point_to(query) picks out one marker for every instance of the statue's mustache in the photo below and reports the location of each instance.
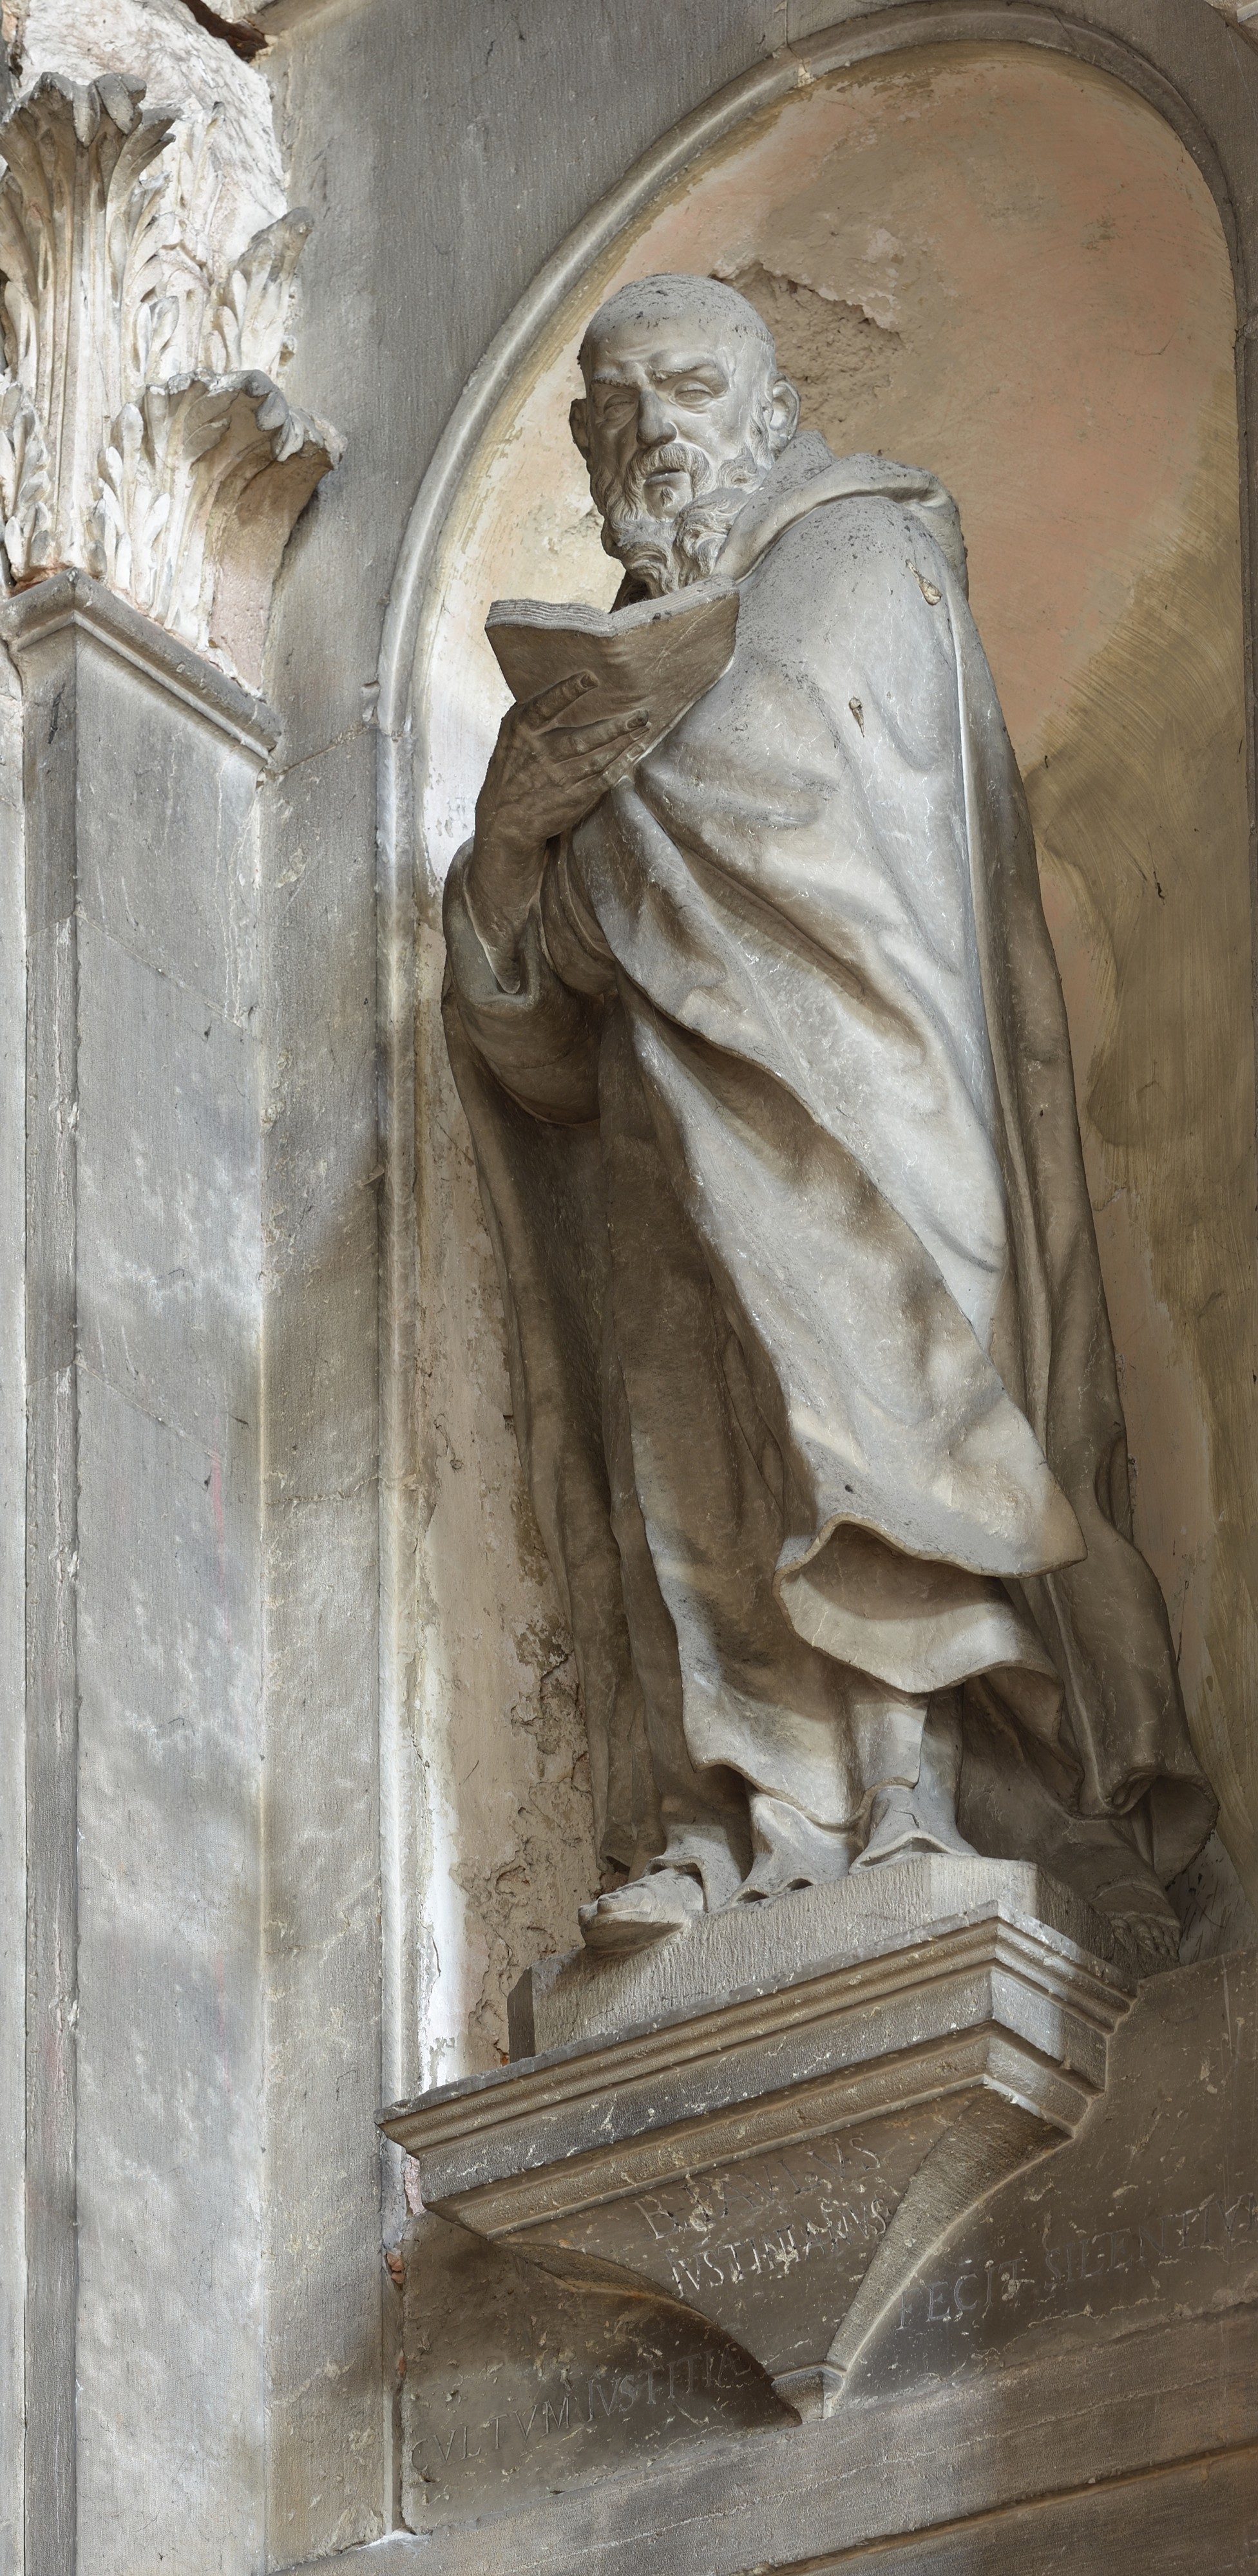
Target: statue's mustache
(675, 456)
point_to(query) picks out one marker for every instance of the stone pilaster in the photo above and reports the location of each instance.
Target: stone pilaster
(151, 470)
(144, 1657)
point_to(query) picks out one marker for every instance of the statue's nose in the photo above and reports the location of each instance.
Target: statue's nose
(655, 424)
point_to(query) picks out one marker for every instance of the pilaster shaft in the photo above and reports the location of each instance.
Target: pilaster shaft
(144, 1657)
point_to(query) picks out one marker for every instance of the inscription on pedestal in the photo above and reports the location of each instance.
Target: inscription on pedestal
(1066, 2278)
(722, 2228)
(785, 2236)
(591, 2416)
(1153, 2209)
(516, 2386)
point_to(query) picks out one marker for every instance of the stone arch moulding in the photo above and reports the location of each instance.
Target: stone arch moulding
(1195, 71)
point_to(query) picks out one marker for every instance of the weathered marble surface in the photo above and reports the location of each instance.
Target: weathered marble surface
(578, 1997)
(143, 1232)
(1072, 2369)
(412, 133)
(779, 2152)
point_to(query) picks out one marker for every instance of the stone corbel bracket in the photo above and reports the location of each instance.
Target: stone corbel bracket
(784, 2163)
(143, 437)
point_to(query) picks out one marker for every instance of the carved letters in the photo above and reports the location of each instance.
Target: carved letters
(611, 2396)
(974, 2292)
(712, 2219)
(143, 437)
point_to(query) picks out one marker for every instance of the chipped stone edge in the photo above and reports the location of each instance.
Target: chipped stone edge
(72, 598)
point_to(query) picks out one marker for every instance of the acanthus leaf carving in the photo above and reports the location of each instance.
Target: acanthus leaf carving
(142, 434)
(25, 483)
(248, 323)
(176, 481)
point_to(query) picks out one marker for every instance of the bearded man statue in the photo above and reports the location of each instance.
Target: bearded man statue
(765, 1059)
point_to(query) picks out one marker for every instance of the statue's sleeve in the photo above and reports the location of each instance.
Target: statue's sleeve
(542, 1042)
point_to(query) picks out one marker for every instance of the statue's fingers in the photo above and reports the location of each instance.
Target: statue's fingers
(551, 702)
(625, 747)
(599, 743)
(572, 742)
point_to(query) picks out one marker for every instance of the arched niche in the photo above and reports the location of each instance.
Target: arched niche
(1002, 262)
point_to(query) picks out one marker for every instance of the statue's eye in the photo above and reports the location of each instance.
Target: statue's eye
(616, 407)
(693, 394)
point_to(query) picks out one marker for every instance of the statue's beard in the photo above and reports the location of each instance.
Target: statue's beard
(666, 553)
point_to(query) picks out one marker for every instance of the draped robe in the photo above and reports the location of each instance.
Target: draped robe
(813, 1377)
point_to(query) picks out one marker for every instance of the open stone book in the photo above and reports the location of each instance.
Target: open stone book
(661, 654)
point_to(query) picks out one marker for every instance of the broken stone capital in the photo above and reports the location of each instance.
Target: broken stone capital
(143, 435)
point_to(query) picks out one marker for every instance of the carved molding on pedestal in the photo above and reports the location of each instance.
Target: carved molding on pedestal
(779, 2164)
(143, 437)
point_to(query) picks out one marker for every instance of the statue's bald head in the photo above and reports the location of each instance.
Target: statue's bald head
(705, 304)
(683, 414)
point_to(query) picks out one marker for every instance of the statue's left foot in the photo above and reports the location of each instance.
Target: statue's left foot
(1152, 1939)
(649, 1909)
(897, 1832)
(1138, 1907)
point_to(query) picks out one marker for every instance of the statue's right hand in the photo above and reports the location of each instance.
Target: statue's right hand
(545, 776)
(543, 779)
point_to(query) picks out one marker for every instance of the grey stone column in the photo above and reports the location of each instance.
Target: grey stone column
(144, 1726)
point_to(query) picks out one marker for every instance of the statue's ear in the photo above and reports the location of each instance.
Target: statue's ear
(784, 414)
(579, 423)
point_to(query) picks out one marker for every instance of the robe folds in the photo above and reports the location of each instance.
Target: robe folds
(812, 1372)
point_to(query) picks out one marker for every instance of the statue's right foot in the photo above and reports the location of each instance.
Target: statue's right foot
(649, 1909)
(790, 1851)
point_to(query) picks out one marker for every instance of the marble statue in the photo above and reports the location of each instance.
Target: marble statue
(763, 1050)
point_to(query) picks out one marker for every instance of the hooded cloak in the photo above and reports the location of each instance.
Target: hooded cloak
(813, 1377)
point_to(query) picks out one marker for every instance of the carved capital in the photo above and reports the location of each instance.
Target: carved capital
(143, 437)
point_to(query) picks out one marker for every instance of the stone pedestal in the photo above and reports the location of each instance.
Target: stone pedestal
(810, 2095)
(953, 2231)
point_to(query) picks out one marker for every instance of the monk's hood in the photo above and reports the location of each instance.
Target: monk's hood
(806, 476)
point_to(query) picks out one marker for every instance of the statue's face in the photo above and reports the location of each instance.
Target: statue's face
(662, 404)
(679, 423)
